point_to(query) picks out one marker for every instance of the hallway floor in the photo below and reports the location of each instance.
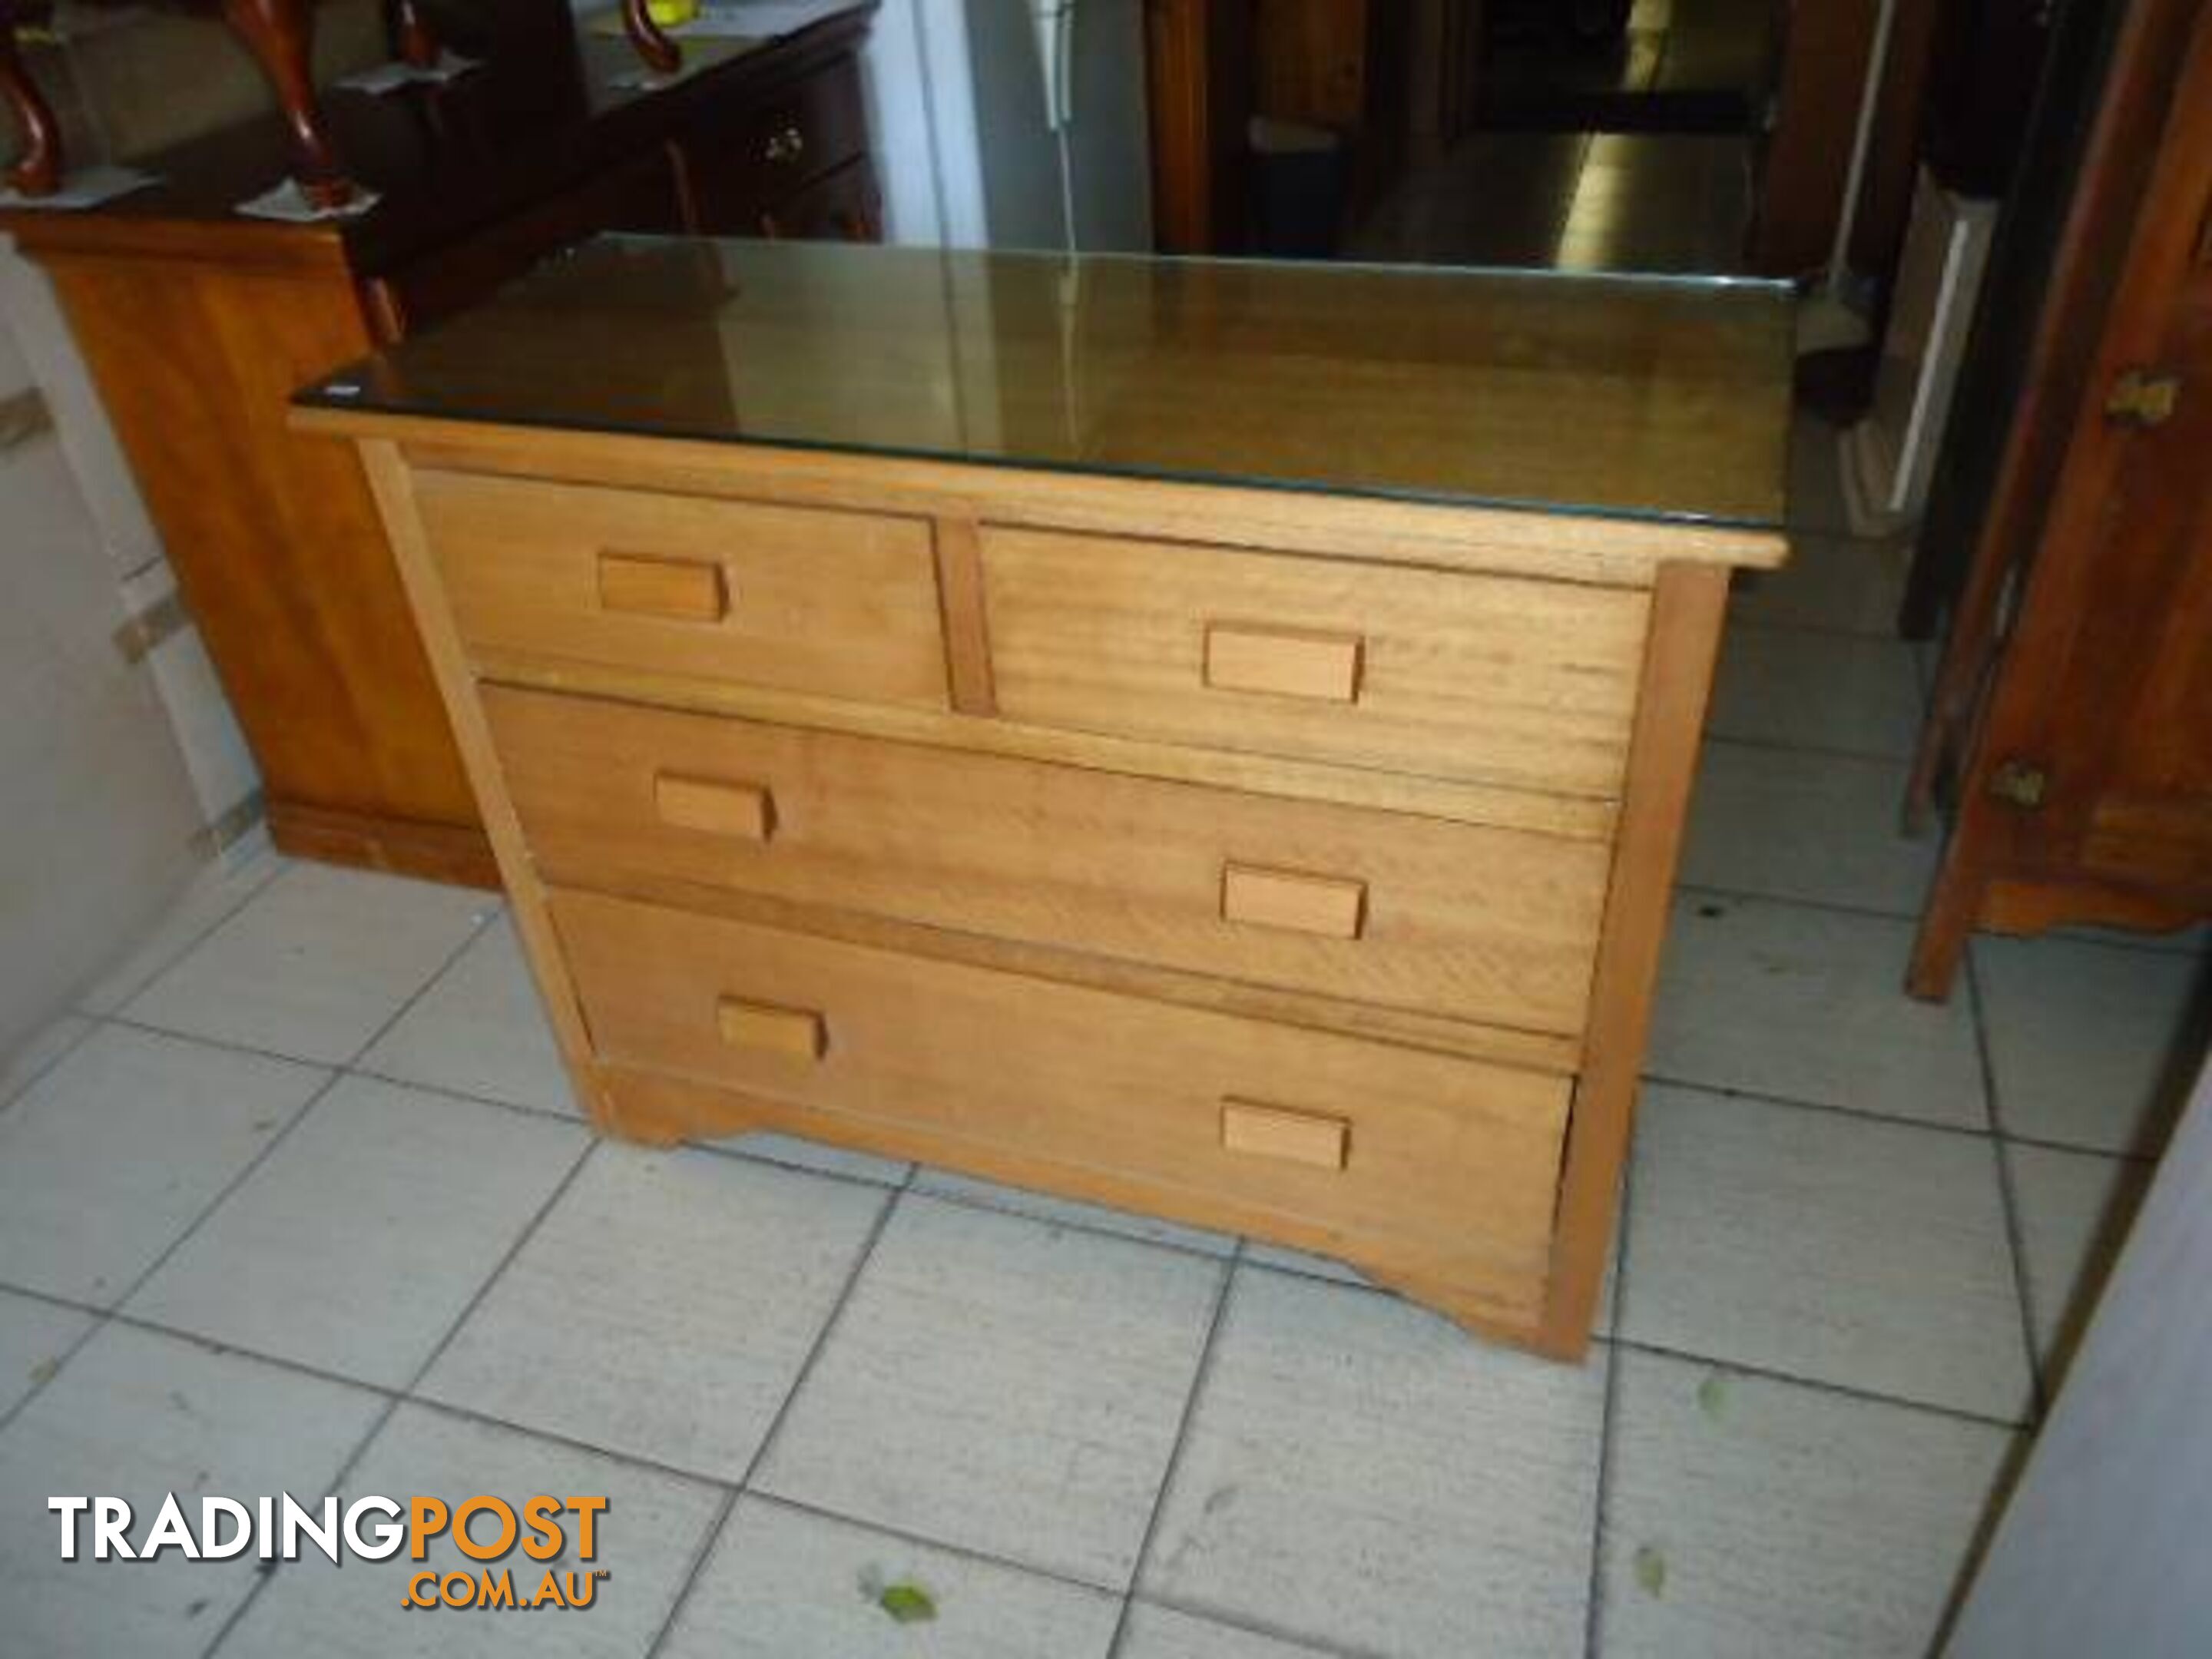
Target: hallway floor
(296, 1201)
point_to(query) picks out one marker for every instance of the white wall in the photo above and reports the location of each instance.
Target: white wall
(98, 814)
(2102, 1547)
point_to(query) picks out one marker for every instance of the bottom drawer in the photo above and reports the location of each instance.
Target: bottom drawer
(1440, 1168)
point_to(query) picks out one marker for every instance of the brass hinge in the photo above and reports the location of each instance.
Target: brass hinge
(2142, 397)
(2020, 783)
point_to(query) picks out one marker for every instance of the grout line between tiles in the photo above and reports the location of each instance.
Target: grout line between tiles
(923, 1541)
(38, 1074)
(1199, 1374)
(1863, 1114)
(1252, 1627)
(1831, 907)
(299, 1115)
(1721, 1362)
(700, 1556)
(277, 865)
(2015, 1244)
(1593, 1607)
(341, 1066)
(100, 1320)
(403, 1395)
(862, 1257)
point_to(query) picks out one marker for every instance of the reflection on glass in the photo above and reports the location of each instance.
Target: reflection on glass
(1610, 394)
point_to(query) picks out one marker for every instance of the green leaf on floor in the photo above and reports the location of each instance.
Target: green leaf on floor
(43, 1372)
(908, 1604)
(1712, 1395)
(905, 1602)
(1651, 1570)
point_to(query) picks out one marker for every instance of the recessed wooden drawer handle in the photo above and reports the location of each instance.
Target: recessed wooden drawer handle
(682, 590)
(800, 1033)
(744, 811)
(1276, 1132)
(1287, 662)
(1334, 906)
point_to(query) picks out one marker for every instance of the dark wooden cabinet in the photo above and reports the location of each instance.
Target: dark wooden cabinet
(198, 324)
(2071, 723)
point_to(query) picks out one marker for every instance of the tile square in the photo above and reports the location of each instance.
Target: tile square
(1067, 1212)
(1004, 1386)
(1816, 478)
(653, 1528)
(1793, 824)
(2091, 1045)
(361, 1240)
(1361, 1474)
(137, 1415)
(1871, 1255)
(107, 1159)
(1750, 1517)
(34, 1337)
(38, 1052)
(1156, 1632)
(723, 1272)
(479, 1030)
(1831, 581)
(215, 895)
(1799, 688)
(819, 1156)
(784, 1584)
(315, 964)
(2074, 1211)
(1776, 999)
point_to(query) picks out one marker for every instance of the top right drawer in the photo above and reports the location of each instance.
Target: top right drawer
(1492, 679)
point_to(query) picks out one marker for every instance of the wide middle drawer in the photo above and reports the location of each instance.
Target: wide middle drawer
(840, 604)
(1492, 925)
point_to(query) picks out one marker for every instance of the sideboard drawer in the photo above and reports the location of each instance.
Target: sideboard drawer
(793, 598)
(1389, 1142)
(1495, 679)
(1494, 926)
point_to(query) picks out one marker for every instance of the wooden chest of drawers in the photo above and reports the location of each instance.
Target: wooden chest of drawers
(1293, 865)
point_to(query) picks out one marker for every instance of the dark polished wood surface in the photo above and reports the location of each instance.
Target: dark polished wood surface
(1621, 396)
(548, 105)
(198, 324)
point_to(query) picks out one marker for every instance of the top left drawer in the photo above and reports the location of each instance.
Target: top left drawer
(840, 604)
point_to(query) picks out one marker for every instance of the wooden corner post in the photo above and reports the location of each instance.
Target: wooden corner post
(1689, 602)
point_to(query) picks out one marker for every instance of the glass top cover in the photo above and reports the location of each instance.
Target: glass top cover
(1640, 396)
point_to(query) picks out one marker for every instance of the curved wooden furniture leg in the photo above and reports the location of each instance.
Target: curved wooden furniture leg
(280, 34)
(412, 36)
(661, 55)
(38, 170)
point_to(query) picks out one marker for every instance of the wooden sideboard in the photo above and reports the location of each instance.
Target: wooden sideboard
(198, 323)
(1208, 739)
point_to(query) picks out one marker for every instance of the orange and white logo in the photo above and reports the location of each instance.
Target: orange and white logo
(485, 1528)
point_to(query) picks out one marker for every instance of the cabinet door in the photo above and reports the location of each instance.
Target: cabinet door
(2100, 729)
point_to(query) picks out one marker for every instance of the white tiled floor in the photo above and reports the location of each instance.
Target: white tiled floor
(296, 1200)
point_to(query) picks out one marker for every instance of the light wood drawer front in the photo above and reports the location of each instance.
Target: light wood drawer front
(1492, 925)
(840, 604)
(1497, 679)
(1430, 1146)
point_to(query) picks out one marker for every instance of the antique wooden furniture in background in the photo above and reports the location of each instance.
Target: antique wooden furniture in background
(2071, 723)
(198, 323)
(1212, 739)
